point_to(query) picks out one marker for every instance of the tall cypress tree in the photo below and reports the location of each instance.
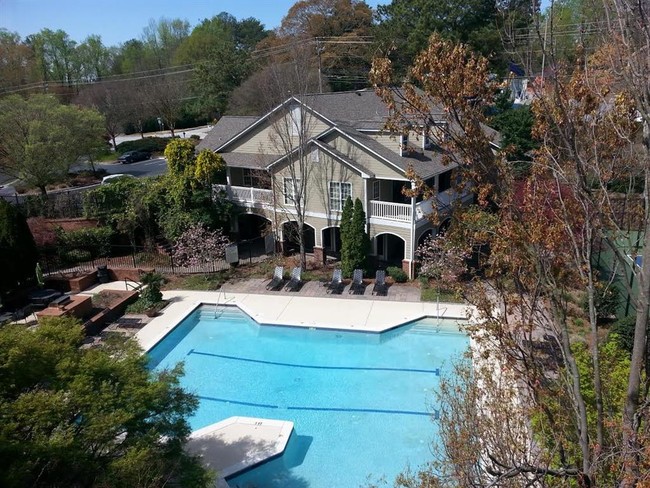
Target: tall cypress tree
(355, 241)
(344, 226)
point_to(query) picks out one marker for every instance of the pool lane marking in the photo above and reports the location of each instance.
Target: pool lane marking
(308, 366)
(435, 412)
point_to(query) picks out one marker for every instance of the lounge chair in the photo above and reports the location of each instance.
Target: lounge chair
(295, 281)
(380, 287)
(356, 287)
(336, 285)
(278, 279)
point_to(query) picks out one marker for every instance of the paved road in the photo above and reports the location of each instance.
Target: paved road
(149, 167)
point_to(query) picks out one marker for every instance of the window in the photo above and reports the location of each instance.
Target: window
(339, 193)
(376, 190)
(291, 189)
(444, 181)
(248, 177)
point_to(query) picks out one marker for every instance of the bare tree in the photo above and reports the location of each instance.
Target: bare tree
(292, 128)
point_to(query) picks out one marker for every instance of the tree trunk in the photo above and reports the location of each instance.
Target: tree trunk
(43, 190)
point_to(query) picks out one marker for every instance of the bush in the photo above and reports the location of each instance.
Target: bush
(623, 331)
(17, 249)
(92, 241)
(397, 274)
(151, 295)
(606, 300)
(151, 144)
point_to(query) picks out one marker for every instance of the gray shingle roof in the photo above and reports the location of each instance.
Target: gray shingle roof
(425, 163)
(361, 109)
(226, 128)
(248, 160)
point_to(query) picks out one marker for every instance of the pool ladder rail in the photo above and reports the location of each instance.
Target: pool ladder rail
(220, 308)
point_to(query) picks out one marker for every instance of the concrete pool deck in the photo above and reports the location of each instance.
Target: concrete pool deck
(299, 311)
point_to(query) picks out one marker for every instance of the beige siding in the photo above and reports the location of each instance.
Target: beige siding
(388, 140)
(318, 177)
(265, 138)
(365, 159)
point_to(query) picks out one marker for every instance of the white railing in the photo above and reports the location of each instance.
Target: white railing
(247, 194)
(398, 212)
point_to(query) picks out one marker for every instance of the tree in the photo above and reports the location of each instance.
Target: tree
(408, 24)
(55, 55)
(18, 254)
(540, 234)
(113, 101)
(163, 37)
(199, 246)
(18, 64)
(40, 139)
(355, 243)
(90, 417)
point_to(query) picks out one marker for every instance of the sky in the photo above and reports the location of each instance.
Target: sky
(117, 21)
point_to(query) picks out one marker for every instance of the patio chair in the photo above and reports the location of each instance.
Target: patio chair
(336, 285)
(356, 287)
(380, 287)
(295, 282)
(278, 279)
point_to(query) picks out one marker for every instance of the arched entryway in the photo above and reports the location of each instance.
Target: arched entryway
(331, 238)
(291, 241)
(253, 226)
(390, 248)
(425, 235)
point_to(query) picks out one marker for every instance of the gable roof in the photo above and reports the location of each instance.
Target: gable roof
(225, 129)
(426, 163)
(360, 109)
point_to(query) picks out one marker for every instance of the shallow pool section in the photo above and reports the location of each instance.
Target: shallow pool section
(361, 403)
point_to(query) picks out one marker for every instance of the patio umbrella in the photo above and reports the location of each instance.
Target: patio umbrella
(39, 275)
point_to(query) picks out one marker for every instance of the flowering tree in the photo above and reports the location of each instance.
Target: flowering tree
(440, 261)
(199, 245)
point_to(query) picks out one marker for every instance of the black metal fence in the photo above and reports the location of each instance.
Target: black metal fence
(62, 260)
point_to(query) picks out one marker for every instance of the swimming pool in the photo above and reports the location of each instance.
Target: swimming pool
(360, 402)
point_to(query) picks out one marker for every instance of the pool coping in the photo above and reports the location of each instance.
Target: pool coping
(307, 312)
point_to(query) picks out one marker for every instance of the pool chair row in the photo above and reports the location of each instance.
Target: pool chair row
(357, 286)
(278, 282)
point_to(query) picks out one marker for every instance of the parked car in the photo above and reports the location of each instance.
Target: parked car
(115, 177)
(134, 156)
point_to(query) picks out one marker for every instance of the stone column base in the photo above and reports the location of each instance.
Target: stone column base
(319, 254)
(408, 267)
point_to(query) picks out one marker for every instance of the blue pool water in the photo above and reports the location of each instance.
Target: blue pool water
(361, 403)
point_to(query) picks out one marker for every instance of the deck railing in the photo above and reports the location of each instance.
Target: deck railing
(398, 212)
(247, 194)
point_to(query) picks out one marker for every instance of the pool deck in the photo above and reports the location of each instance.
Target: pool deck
(363, 315)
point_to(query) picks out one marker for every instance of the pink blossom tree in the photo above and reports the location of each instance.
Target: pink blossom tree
(440, 261)
(199, 245)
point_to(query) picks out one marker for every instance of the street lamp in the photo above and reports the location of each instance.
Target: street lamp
(160, 124)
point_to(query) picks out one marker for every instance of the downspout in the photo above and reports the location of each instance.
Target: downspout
(412, 250)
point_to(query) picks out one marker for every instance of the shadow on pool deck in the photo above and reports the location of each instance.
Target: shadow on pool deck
(396, 292)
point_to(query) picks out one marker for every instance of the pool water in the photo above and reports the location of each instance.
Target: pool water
(361, 403)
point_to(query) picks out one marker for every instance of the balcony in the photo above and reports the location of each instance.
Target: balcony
(246, 194)
(395, 212)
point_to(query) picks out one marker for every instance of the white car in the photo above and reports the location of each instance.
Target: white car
(115, 177)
